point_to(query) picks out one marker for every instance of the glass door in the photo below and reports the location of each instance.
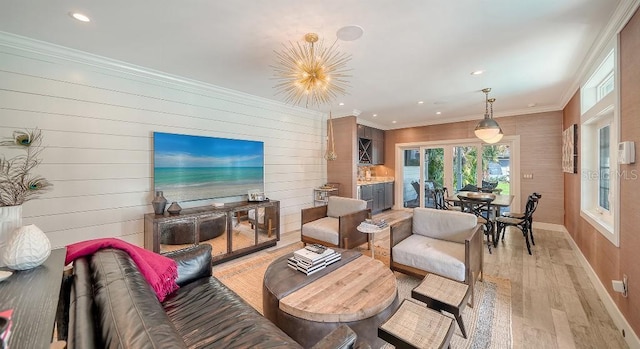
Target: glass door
(465, 167)
(411, 177)
(454, 164)
(496, 164)
(433, 173)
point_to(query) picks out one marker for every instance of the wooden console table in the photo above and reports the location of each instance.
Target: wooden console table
(218, 226)
(33, 296)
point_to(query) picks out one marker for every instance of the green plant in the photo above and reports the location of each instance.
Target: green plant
(17, 184)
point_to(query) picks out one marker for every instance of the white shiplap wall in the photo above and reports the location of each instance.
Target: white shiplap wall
(98, 117)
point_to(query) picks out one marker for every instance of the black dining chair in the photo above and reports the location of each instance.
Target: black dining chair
(487, 187)
(523, 223)
(481, 208)
(470, 187)
(439, 199)
(520, 215)
(440, 196)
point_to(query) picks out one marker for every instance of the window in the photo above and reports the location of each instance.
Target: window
(599, 133)
(604, 167)
(605, 87)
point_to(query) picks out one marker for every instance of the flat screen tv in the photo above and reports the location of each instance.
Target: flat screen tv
(188, 168)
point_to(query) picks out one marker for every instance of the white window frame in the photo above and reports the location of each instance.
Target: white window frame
(598, 111)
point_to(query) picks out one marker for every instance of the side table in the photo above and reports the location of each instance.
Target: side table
(440, 293)
(33, 295)
(415, 326)
(371, 231)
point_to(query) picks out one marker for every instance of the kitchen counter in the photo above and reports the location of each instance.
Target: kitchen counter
(376, 180)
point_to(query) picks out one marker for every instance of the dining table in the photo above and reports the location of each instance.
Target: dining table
(499, 201)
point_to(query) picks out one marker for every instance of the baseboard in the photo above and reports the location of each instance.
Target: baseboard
(549, 226)
(618, 319)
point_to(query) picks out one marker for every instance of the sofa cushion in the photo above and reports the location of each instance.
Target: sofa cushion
(193, 263)
(209, 315)
(82, 332)
(436, 256)
(323, 229)
(443, 224)
(338, 206)
(126, 308)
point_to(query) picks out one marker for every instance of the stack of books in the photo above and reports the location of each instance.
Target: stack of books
(373, 224)
(312, 258)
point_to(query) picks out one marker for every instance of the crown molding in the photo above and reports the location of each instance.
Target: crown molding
(63, 53)
(622, 14)
(449, 120)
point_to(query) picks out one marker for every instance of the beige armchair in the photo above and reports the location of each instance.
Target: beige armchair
(447, 243)
(334, 224)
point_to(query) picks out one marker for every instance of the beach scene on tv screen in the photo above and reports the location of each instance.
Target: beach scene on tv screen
(190, 168)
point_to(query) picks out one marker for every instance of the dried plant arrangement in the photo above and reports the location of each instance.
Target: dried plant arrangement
(17, 184)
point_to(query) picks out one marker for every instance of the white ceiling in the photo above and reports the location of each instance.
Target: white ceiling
(532, 51)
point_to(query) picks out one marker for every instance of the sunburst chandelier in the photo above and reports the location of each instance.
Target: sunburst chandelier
(310, 72)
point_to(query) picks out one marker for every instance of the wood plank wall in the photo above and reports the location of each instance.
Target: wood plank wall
(540, 154)
(98, 117)
(608, 261)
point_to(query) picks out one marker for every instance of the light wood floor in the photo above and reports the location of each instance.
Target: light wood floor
(554, 304)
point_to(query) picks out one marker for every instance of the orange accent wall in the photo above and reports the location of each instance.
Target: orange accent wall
(608, 261)
(540, 154)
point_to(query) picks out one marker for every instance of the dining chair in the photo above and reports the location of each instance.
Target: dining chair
(521, 214)
(438, 199)
(469, 187)
(488, 187)
(481, 208)
(523, 223)
(440, 196)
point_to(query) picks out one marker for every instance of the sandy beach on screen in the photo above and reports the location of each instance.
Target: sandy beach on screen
(207, 191)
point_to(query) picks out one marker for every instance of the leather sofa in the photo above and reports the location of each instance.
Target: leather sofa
(110, 305)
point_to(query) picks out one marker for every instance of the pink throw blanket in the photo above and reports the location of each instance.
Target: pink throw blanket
(160, 271)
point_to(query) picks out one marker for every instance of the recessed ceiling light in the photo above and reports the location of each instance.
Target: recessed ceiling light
(438, 112)
(393, 122)
(374, 115)
(531, 105)
(341, 103)
(350, 33)
(477, 72)
(421, 102)
(79, 16)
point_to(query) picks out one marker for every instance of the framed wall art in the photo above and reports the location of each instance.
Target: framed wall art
(570, 149)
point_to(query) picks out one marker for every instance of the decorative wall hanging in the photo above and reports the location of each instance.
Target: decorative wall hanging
(570, 149)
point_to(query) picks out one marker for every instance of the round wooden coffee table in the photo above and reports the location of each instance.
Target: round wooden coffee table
(358, 291)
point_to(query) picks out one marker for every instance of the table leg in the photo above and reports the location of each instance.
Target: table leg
(372, 246)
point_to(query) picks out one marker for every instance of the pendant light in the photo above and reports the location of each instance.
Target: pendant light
(330, 155)
(487, 128)
(498, 137)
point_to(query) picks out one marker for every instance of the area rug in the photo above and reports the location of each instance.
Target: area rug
(488, 323)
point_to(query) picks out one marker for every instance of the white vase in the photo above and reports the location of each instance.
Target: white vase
(28, 247)
(10, 220)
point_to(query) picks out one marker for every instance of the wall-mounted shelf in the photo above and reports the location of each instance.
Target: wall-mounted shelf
(321, 195)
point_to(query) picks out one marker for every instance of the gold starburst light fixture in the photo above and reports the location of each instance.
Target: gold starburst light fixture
(311, 72)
